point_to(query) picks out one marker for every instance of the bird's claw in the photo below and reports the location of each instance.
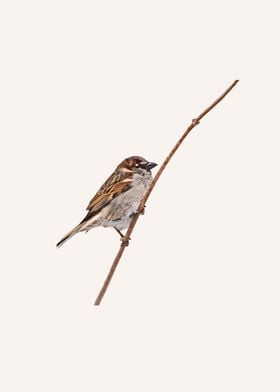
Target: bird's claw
(125, 241)
(141, 212)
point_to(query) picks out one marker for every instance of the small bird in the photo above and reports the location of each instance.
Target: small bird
(118, 198)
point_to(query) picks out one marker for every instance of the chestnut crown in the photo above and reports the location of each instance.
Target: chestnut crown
(136, 162)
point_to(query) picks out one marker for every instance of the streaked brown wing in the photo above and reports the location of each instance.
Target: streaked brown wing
(114, 186)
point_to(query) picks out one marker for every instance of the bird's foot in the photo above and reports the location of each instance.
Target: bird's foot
(125, 241)
(141, 212)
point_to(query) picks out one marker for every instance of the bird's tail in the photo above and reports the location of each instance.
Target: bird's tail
(69, 235)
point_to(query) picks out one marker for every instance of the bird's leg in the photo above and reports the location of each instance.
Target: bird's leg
(120, 233)
(124, 241)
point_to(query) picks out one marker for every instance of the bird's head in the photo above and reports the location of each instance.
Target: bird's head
(136, 163)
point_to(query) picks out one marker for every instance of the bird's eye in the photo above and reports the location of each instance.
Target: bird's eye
(136, 164)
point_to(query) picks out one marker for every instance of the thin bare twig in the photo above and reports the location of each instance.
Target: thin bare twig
(134, 219)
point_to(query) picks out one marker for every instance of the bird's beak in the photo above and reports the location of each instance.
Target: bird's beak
(151, 165)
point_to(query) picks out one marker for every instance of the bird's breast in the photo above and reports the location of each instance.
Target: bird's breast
(119, 211)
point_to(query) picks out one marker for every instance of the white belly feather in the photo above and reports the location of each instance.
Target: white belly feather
(119, 212)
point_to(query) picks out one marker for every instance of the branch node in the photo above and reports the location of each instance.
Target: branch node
(195, 121)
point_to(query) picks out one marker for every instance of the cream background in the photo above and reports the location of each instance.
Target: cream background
(194, 305)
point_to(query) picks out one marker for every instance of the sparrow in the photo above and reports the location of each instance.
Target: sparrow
(118, 198)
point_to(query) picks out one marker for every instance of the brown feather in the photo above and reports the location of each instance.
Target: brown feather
(114, 186)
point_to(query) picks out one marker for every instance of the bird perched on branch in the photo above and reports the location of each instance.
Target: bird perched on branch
(118, 198)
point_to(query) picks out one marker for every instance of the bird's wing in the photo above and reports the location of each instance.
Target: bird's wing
(114, 186)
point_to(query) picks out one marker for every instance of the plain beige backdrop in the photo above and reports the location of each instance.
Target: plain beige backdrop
(194, 305)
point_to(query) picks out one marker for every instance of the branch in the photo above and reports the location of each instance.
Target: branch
(135, 217)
